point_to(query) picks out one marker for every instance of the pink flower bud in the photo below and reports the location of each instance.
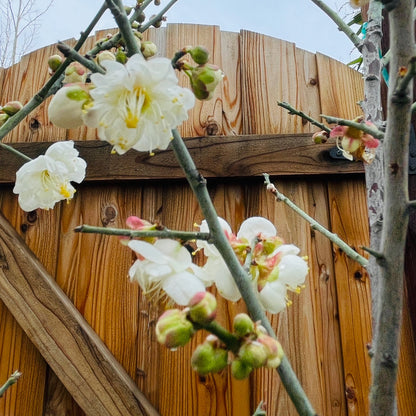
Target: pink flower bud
(173, 329)
(243, 325)
(274, 350)
(74, 73)
(240, 370)
(12, 107)
(203, 308)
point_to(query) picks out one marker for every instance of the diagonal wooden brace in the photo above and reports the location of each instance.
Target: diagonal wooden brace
(88, 370)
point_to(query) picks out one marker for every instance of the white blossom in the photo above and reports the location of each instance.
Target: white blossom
(45, 180)
(166, 265)
(136, 105)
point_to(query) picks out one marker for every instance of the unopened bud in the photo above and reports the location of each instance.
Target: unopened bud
(204, 80)
(54, 62)
(203, 308)
(156, 2)
(243, 325)
(74, 73)
(148, 49)
(240, 370)
(121, 56)
(105, 56)
(173, 329)
(320, 137)
(128, 9)
(12, 107)
(253, 353)
(141, 18)
(199, 54)
(274, 350)
(3, 118)
(207, 358)
(158, 23)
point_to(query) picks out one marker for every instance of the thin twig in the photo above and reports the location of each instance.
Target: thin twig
(340, 23)
(315, 225)
(360, 126)
(75, 56)
(158, 17)
(164, 233)
(374, 253)
(311, 120)
(11, 380)
(15, 151)
(242, 280)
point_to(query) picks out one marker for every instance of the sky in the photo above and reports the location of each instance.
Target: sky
(298, 21)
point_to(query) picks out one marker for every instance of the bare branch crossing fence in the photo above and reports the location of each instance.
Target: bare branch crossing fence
(83, 335)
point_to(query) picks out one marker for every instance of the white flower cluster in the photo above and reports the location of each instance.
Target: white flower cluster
(133, 106)
(275, 266)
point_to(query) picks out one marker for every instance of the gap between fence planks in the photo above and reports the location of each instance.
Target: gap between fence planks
(235, 156)
(73, 350)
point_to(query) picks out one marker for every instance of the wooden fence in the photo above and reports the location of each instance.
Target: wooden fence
(234, 137)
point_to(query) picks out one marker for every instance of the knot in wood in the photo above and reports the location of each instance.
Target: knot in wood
(32, 217)
(108, 214)
(34, 124)
(212, 128)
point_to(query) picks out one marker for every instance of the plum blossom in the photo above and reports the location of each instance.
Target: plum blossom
(355, 143)
(136, 105)
(275, 266)
(166, 265)
(45, 180)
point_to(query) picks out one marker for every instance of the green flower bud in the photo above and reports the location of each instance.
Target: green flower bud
(243, 325)
(209, 357)
(320, 137)
(204, 80)
(12, 107)
(240, 370)
(54, 62)
(141, 18)
(3, 118)
(253, 353)
(199, 54)
(128, 9)
(148, 49)
(121, 56)
(203, 308)
(173, 329)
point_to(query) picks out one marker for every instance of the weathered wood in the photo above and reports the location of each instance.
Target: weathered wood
(235, 156)
(72, 349)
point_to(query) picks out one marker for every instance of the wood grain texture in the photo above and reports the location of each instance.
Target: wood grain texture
(85, 366)
(235, 156)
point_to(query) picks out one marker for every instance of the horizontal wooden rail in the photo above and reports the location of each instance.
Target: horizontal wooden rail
(215, 156)
(76, 354)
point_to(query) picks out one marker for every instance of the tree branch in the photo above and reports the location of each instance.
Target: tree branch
(360, 126)
(340, 23)
(163, 233)
(293, 111)
(315, 224)
(11, 380)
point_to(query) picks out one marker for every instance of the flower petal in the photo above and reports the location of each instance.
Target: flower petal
(181, 287)
(292, 270)
(273, 297)
(254, 226)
